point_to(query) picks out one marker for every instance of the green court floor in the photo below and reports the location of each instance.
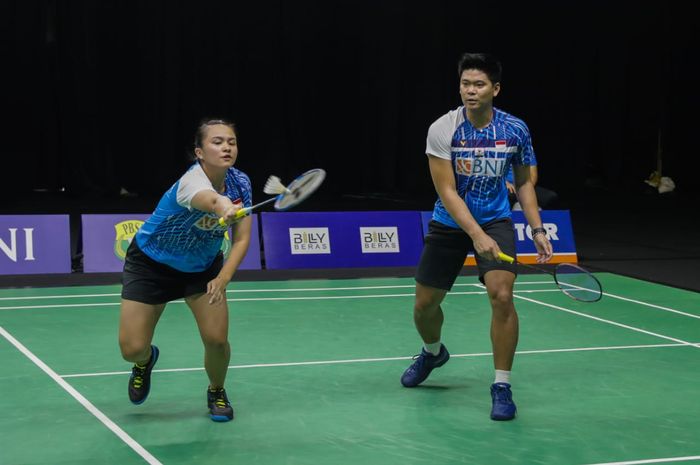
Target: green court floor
(315, 371)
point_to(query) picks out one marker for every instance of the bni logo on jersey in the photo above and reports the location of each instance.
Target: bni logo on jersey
(480, 166)
(380, 239)
(309, 241)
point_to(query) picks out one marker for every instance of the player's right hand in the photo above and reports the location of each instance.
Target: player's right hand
(230, 214)
(486, 247)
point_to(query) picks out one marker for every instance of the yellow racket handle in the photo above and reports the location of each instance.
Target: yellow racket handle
(505, 258)
(239, 214)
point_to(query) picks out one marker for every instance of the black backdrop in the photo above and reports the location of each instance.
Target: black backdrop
(106, 94)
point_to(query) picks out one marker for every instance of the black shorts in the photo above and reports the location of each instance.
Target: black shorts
(150, 282)
(446, 249)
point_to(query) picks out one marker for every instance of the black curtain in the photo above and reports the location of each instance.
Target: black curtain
(104, 95)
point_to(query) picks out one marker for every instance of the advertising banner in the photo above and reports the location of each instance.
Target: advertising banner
(34, 244)
(559, 230)
(107, 237)
(341, 239)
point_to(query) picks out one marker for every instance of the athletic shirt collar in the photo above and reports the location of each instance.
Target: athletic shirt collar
(497, 116)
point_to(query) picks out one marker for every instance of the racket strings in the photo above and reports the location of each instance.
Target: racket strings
(301, 188)
(578, 283)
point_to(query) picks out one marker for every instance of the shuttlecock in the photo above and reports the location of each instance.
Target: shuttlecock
(666, 184)
(274, 186)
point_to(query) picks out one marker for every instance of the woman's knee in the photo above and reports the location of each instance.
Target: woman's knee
(216, 344)
(134, 351)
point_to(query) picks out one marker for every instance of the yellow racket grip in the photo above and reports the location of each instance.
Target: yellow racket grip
(505, 258)
(239, 214)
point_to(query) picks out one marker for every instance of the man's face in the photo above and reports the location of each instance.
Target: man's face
(477, 90)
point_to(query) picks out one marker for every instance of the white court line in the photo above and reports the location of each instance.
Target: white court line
(138, 448)
(255, 299)
(382, 359)
(610, 322)
(237, 291)
(667, 309)
(660, 460)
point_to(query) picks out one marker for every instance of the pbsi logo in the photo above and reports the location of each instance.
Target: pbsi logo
(309, 241)
(124, 234)
(11, 249)
(380, 239)
(481, 166)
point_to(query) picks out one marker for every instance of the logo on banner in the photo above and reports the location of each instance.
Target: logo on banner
(125, 232)
(379, 239)
(522, 230)
(11, 249)
(309, 241)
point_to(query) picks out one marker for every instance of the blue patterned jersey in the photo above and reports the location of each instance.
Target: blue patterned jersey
(182, 237)
(481, 158)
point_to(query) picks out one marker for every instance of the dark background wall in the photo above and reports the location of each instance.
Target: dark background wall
(102, 95)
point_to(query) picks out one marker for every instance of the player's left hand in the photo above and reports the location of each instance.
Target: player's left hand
(544, 248)
(216, 290)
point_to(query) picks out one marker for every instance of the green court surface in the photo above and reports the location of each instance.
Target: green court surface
(315, 371)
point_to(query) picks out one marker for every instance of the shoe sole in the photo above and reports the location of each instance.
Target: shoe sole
(220, 418)
(503, 418)
(155, 354)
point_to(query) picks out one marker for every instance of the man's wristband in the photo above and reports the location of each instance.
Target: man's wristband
(536, 231)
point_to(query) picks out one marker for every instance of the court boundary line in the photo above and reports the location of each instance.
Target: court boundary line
(399, 286)
(235, 291)
(82, 400)
(645, 461)
(603, 320)
(267, 299)
(381, 359)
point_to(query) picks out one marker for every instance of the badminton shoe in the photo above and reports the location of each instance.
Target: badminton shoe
(140, 380)
(422, 365)
(219, 406)
(502, 407)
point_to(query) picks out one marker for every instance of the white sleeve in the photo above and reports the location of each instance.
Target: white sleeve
(195, 180)
(439, 142)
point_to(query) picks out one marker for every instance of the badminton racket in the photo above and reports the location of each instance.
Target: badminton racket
(286, 197)
(572, 280)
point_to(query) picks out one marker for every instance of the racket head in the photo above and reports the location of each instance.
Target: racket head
(300, 189)
(577, 283)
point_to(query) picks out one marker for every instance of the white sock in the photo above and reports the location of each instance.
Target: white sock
(502, 376)
(433, 348)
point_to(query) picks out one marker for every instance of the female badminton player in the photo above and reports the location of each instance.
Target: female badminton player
(176, 254)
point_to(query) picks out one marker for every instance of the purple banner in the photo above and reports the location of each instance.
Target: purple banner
(34, 244)
(106, 238)
(557, 223)
(341, 239)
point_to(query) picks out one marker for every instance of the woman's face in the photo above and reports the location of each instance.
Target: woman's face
(219, 147)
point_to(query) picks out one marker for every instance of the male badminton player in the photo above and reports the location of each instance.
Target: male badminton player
(470, 150)
(177, 254)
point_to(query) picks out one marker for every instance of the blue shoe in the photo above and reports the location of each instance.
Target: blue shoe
(140, 380)
(424, 363)
(503, 407)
